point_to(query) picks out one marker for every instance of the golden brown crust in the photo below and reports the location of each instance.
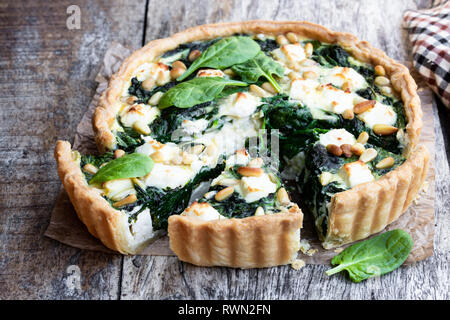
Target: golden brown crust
(253, 242)
(369, 207)
(103, 221)
(401, 79)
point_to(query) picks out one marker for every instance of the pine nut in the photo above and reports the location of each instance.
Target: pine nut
(379, 70)
(268, 87)
(128, 200)
(368, 155)
(325, 178)
(119, 153)
(148, 84)
(384, 129)
(292, 37)
(293, 76)
(363, 137)
(386, 90)
(309, 49)
(224, 193)
(334, 149)
(382, 81)
(357, 149)
(193, 55)
(229, 72)
(259, 211)
(308, 62)
(310, 75)
(347, 150)
(256, 163)
(363, 106)
(281, 40)
(154, 99)
(197, 149)
(385, 163)
(283, 197)
(178, 64)
(141, 127)
(176, 72)
(250, 171)
(89, 168)
(348, 114)
(258, 91)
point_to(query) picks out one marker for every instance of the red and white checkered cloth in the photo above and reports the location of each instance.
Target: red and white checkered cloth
(429, 32)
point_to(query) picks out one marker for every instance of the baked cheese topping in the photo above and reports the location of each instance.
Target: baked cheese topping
(355, 173)
(337, 137)
(202, 211)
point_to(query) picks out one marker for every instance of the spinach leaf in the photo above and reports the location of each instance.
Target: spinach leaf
(236, 207)
(260, 66)
(267, 45)
(374, 257)
(129, 166)
(128, 139)
(96, 161)
(163, 203)
(171, 119)
(196, 91)
(331, 56)
(224, 54)
(143, 95)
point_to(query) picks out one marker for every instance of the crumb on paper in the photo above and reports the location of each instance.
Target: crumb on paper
(425, 186)
(304, 246)
(416, 199)
(298, 264)
(338, 250)
(311, 252)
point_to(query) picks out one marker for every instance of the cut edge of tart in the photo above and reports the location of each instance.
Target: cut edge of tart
(251, 242)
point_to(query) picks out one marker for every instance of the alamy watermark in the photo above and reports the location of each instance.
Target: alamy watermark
(73, 280)
(73, 21)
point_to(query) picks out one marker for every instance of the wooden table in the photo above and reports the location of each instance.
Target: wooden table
(46, 82)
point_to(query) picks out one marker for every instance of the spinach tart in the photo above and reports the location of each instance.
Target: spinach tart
(331, 115)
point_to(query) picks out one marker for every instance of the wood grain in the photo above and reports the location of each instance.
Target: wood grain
(47, 79)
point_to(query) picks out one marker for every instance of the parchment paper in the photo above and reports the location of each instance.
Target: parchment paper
(418, 220)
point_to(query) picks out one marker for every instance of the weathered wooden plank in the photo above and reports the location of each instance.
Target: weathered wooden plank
(378, 22)
(47, 79)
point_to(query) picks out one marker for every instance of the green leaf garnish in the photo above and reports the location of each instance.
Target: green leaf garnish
(374, 257)
(224, 54)
(129, 166)
(260, 66)
(198, 90)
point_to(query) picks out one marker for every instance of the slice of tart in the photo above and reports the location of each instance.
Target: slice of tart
(245, 219)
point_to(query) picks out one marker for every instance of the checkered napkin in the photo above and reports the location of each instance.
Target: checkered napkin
(429, 32)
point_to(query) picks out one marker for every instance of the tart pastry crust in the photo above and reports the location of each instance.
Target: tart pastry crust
(253, 242)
